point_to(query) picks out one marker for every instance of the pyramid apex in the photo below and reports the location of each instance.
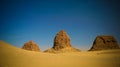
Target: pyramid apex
(62, 30)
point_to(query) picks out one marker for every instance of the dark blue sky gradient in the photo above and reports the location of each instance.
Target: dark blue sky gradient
(40, 20)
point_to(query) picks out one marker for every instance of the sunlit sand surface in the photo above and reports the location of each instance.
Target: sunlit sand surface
(11, 56)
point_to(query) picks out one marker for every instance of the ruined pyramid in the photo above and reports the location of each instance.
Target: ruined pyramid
(104, 43)
(62, 44)
(32, 46)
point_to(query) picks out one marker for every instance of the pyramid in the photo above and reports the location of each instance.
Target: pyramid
(104, 43)
(32, 46)
(62, 44)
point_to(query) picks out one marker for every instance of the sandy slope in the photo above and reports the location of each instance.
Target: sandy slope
(11, 56)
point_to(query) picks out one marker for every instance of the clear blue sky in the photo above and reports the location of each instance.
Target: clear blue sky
(40, 20)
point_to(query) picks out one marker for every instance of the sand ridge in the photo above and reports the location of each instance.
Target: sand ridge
(11, 56)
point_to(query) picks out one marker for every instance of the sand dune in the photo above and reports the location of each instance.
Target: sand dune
(11, 56)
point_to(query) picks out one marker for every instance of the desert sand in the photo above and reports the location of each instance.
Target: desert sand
(11, 56)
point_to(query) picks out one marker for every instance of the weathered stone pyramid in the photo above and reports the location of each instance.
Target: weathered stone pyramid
(32, 46)
(104, 43)
(62, 44)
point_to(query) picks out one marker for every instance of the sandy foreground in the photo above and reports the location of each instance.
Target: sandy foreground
(11, 56)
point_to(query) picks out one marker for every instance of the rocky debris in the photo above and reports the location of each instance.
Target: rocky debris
(62, 44)
(104, 43)
(32, 46)
(63, 50)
